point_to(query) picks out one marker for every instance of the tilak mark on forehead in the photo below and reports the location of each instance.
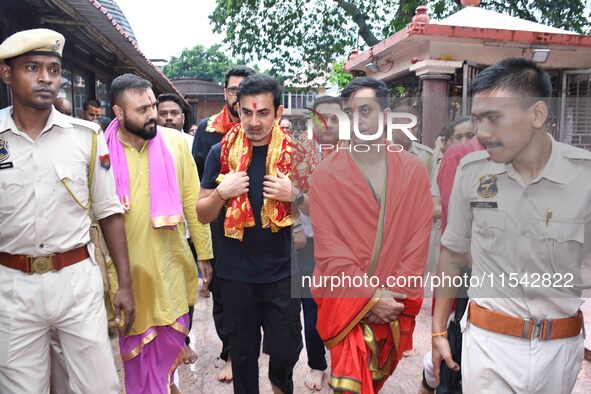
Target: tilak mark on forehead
(254, 105)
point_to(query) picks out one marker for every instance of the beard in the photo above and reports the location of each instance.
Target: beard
(232, 108)
(146, 132)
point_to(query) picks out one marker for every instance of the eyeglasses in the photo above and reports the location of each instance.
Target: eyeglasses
(232, 91)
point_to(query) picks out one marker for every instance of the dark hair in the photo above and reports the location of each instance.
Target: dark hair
(326, 100)
(127, 82)
(260, 84)
(10, 62)
(164, 97)
(518, 75)
(448, 131)
(379, 87)
(92, 103)
(238, 71)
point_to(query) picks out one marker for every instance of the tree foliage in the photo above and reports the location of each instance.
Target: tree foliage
(339, 76)
(302, 38)
(199, 62)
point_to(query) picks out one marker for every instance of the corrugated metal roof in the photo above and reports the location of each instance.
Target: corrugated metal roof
(91, 28)
(101, 20)
(118, 15)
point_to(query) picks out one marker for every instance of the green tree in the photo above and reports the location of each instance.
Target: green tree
(303, 38)
(199, 62)
(339, 76)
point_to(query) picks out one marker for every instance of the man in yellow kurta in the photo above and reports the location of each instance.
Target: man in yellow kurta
(157, 183)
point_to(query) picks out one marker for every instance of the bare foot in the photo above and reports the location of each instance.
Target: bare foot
(313, 379)
(424, 390)
(276, 389)
(174, 389)
(225, 374)
(407, 353)
(190, 356)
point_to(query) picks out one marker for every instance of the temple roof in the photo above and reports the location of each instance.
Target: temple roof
(478, 17)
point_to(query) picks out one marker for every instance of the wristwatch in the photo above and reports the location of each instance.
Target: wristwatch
(299, 200)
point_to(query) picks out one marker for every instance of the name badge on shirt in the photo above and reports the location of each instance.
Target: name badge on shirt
(484, 204)
(6, 165)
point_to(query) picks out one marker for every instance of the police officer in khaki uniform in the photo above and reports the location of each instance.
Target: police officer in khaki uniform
(523, 210)
(423, 152)
(48, 280)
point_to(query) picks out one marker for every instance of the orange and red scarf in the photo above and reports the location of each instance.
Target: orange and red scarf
(236, 154)
(220, 122)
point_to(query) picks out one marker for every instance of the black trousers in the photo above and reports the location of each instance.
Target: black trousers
(314, 345)
(218, 310)
(247, 309)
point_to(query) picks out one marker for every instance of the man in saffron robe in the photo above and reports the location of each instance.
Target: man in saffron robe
(156, 180)
(371, 214)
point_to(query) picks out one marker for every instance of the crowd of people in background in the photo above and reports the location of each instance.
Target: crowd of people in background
(107, 223)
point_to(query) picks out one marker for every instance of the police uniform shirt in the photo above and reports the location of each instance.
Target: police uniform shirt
(424, 153)
(38, 216)
(524, 231)
(434, 186)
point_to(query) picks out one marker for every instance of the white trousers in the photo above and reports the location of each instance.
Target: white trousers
(59, 381)
(497, 364)
(70, 302)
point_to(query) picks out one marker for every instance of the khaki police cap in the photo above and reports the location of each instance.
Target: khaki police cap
(32, 42)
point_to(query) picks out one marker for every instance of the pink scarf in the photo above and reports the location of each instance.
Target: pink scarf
(166, 209)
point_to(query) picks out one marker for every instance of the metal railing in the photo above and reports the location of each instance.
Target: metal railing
(299, 100)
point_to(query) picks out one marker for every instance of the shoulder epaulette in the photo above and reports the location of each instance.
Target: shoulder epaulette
(474, 157)
(572, 152)
(86, 124)
(424, 147)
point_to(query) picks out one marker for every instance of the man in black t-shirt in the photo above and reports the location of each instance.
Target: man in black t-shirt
(210, 132)
(254, 263)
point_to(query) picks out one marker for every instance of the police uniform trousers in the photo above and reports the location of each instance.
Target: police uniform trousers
(497, 364)
(69, 301)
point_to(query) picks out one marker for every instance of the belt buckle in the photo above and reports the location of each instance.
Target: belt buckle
(41, 265)
(536, 330)
(548, 324)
